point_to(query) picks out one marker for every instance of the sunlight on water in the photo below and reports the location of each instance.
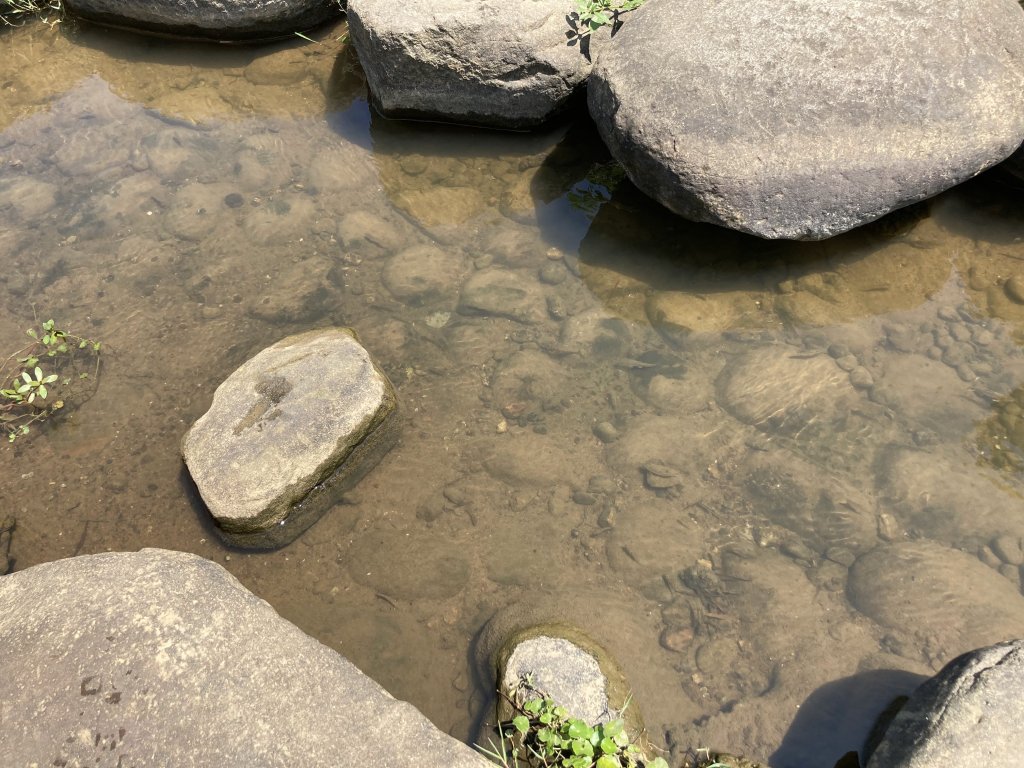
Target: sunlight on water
(773, 465)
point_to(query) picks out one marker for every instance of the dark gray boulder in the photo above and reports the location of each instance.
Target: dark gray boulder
(287, 433)
(236, 20)
(486, 62)
(163, 658)
(971, 713)
(802, 119)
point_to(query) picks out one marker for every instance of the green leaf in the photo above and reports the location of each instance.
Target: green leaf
(545, 717)
(26, 377)
(42, 391)
(532, 706)
(608, 746)
(50, 379)
(62, 348)
(579, 730)
(82, 344)
(521, 723)
(582, 747)
(658, 762)
(31, 332)
(48, 325)
(606, 761)
(613, 728)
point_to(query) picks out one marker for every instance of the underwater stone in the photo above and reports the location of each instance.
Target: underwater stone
(288, 433)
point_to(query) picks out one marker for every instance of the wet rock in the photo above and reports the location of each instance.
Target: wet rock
(971, 713)
(1014, 288)
(423, 272)
(759, 147)
(595, 332)
(293, 427)
(297, 294)
(565, 665)
(208, 19)
(505, 294)
(923, 587)
(777, 389)
(287, 218)
(409, 565)
(28, 198)
(195, 211)
(661, 477)
(364, 230)
(606, 432)
(422, 60)
(163, 658)
(1008, 549)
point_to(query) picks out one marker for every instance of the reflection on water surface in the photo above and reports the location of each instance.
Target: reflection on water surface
(765, 462)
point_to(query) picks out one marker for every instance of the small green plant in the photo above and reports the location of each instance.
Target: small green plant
(591, 15)
(542, 734)
(43, 375)
(15, 12)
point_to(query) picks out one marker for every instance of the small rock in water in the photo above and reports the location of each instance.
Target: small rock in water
(606, 432)
(1014, 288)
(274, 449)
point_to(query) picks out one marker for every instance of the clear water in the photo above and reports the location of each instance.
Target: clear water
(680, 441)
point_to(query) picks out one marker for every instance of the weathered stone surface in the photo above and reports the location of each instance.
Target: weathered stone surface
(503, 293)
(288, 431)
(567, 666)
(163, 658)
(208, 19)
(971, 713)
(490, 62)
(802, 119)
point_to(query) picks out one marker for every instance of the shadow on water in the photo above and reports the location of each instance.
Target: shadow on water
(988, 208)
(839, 717)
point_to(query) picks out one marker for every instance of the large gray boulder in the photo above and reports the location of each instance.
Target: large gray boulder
(486, 62)
(971, 713)
(805, 118)
(208, 19)
(287, 433)
(158, 658)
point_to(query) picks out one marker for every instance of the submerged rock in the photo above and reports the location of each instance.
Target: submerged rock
(802, 119)
(491, 63)
(163, 658)
(971, 713)
(287, 432)
(208, 19)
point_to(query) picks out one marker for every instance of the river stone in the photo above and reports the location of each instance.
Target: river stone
(971, 713)
(802, 119)
(422, 272)
(487, 62)
(780, 389)
(503, 293)
(163, 658)
(924, 587)
(565, 665)
(208, 19)
(287, 432)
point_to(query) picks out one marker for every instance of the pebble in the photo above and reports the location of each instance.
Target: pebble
(847, 362)
(659, 476)
(677, 639)
(861, 378)
(606, 432)
(988, 557)
(838, 350)
(584, 499)
(982, 336)
(234, 200)
(1014, 288)
(553, 273)
(1012, 572)
(949, 314)
(601, 484)
(960, 332)
(966, 373)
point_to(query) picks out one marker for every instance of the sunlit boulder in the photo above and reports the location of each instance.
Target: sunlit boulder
(802, 119)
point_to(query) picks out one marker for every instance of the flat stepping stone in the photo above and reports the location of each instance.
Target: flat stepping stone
(484, 62)
(287, 433)
(235, 20)
(802, 119)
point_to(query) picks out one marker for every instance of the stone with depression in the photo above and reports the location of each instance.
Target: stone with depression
(287, 433)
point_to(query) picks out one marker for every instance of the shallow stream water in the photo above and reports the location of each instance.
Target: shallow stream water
(777, 481)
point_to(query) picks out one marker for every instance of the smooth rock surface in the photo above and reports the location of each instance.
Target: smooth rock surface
(208, 19)
(489, 62)
(163, 658)
(287, 432)
(802, 119)
(971, 713)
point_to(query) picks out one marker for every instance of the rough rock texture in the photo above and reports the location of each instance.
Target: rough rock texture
(971, 713)
(208, 19)
(287, 432)
(802, 119)
(568, 666)
(490, 62)
(163, 658)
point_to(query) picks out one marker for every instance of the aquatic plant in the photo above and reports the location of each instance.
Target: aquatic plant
(542, 734)
(591, 15)
(28, 400)
(14, 12)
